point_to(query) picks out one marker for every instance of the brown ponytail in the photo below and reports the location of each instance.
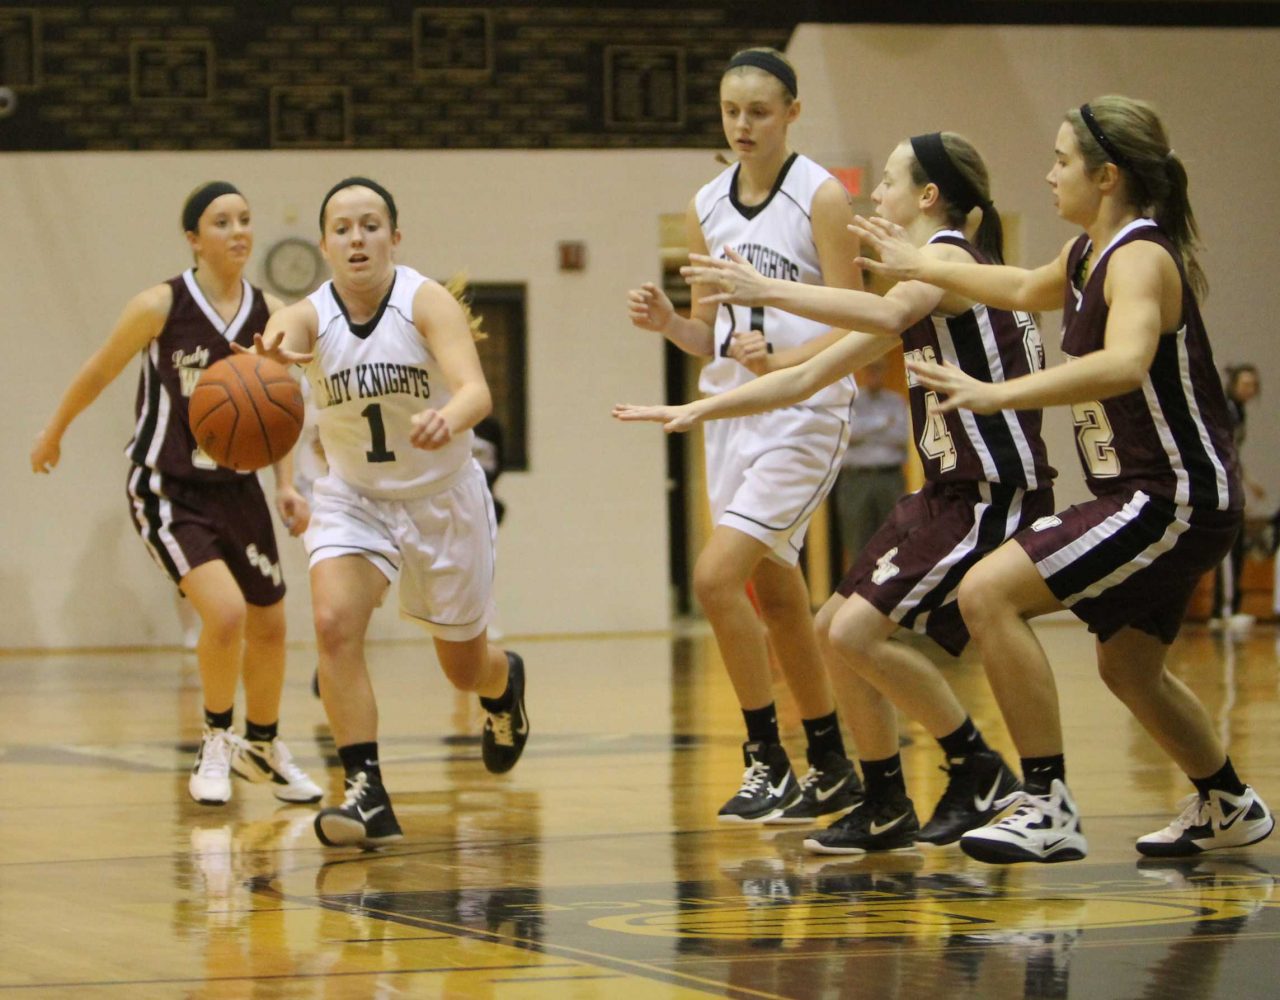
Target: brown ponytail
(1155, 178)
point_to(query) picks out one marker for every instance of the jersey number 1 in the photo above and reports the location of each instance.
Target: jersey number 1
(378, 434)
(757, 323)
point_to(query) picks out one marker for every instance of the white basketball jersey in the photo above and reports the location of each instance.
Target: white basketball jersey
(367, 382)
(777, 237)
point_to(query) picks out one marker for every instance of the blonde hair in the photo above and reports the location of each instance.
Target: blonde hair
(456, 285)
(788, 98)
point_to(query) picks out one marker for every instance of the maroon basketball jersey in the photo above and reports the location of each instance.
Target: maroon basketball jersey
(991, 345)
(1171, 437)
(194, 337)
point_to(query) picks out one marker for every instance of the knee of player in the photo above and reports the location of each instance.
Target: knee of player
(978, 596)
(334, 628)
(223, 624)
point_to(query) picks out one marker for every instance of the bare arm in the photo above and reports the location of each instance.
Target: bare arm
(1004, 287)
(140, 323)
(443, 324)
(1140, 280)
(769, 392)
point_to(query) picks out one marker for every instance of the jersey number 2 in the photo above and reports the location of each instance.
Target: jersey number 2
(378, 434)
(1094, 434)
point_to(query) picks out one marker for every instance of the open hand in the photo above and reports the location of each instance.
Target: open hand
(958, 390)
(899, 257)
(734, 280)
(674, 419)
(273, 347)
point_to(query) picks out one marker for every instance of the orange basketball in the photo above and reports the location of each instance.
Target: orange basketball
(246, 412)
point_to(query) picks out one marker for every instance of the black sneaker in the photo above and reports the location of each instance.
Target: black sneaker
(976, 793)
(768, 785)
(869, 827)
(834, 788)
(506, 732)
(364, 819)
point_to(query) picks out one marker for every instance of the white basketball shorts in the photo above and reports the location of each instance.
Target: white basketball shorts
(767, 473)
(440, 546)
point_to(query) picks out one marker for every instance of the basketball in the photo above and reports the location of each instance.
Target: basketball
(246, 412)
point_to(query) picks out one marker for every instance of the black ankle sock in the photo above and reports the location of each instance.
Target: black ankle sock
(502, 703)
(762, 724)
(255, 733)
(824, 738)
(884, 778)
(358, 757)
(219, 720)
(1038, 773)
(1224, 779)
(962, 743)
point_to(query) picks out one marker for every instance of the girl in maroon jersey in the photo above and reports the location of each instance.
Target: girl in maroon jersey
(209, 528)
(1155, 442)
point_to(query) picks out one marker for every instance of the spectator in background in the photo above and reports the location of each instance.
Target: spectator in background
(871, 479)
(1241, 384)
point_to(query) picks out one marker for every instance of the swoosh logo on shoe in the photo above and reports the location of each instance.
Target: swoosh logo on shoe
(524, 723)
(984, 803)
(366, 816)
(823, 796)
(879, 828)
(1229, 821)
(777, 790)
(1050, 845)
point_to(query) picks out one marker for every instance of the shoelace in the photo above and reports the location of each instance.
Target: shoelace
(1030, 808)
(810, 781)
(1192, 811)
(500, 725)
(282, 760)
(215, 756)
(356, 787)
(754, 776)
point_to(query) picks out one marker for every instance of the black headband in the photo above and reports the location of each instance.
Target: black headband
(373, 186)
(1108, 147)
(768, 62)
(201, 199)
(939, 168)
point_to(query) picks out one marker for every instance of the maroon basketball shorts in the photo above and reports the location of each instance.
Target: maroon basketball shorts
(1129, 559)
(911, 568)
(185, 525)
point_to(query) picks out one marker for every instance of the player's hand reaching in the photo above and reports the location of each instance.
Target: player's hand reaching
(430, 431)
(649, 308)
(899, 257)
(295, 512)
(751, 350)
(46, 452)
(271, 345)
(733, 281)
(674, 419)
(959, 391)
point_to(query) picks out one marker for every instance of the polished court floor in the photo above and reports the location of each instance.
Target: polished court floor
(596, 868)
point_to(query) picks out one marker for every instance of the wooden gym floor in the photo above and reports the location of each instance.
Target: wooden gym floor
(596, 868)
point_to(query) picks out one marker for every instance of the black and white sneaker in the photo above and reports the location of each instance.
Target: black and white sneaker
(768, 785)
(365, 818)
(830, 790)
(869, 827)
(1044, 828)
(506, 732)
(977, 792)
(272, 762)
(1210, 824)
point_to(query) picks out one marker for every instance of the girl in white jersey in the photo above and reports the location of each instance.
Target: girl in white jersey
(397, 386)
(209, 528)
(767, 473)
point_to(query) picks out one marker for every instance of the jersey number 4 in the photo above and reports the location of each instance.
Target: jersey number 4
(757, 324)
(378, 435)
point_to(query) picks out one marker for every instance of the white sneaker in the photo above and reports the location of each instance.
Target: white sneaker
(1210, 824)
(1241, 622)
(274, 763)
(210, 782)
(1042, 828)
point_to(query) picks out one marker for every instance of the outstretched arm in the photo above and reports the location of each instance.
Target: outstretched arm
(996, 285)
(769, 392)
(1136, 277)
(140, 323)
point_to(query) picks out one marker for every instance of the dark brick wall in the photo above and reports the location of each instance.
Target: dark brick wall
(270, 75)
